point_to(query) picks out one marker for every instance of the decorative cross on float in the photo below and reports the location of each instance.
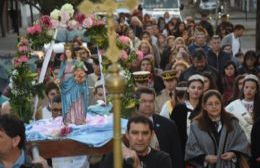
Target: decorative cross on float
(114, 82)
(108, 6)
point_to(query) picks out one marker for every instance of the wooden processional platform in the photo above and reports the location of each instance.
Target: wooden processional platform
(66, 147)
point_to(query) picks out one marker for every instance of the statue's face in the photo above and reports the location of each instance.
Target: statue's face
(68, 54)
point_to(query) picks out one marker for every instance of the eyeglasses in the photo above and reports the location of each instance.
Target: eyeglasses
(211, 105)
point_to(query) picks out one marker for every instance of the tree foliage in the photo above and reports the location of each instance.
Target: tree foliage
(46, 6)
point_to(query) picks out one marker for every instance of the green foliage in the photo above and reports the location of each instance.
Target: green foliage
(24, 87)
(38, 41)
(98, 35)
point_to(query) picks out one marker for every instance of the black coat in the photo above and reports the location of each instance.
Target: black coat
(218, 62)
(179, 115)
(169, 141)
(192, 71)
(255, 144)
(165, 57)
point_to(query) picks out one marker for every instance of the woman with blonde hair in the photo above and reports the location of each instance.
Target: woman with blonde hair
(180, 66)
(137, 26)
(147, 49)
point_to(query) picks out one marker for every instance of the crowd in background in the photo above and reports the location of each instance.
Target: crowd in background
(203, 82)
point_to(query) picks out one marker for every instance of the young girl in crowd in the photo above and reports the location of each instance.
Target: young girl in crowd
(209, 83)
(250, 63)
(247, 108)
(237, 87)
(155, 81)
(183, 113)
(228, 79)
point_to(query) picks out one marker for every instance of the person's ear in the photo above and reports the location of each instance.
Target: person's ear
(15, 141)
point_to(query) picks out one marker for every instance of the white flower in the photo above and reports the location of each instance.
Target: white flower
(33, 82)
(55, 14)
(15, 72)
(15, 92)
(68, 8)
(65, 17)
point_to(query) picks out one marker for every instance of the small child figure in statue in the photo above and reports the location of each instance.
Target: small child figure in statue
(79, 69)
(74, 94)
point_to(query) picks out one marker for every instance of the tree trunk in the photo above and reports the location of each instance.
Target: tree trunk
(3, 17)
(257, 47)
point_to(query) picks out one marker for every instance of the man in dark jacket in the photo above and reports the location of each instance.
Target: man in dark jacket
(139, 134)
(166, 135)
(200, 41)
(199, 65)
(216, 57)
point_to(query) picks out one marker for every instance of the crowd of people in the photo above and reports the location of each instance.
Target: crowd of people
(198, 105)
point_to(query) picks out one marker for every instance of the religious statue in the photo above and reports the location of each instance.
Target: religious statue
(74, 94)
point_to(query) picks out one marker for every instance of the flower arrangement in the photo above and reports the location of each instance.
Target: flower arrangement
(23, 83)
(96, 31)
(128, 57)
(39, 33)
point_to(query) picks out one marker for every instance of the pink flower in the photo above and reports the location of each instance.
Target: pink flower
(23, 59)
(100, 23)
(140, 54)
(55, 23)
(124, 39)
(22, 48)
(80, 18)
(16, 63)
(65, 131)
(123, 55)
(30, 30)
(46, 21)
(37, 28)
(88, 22)
(34, 29)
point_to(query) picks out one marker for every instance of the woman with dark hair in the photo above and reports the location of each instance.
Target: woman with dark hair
(180, 29)
(155, 81)
(209, 83)
(247, 108)
(250, 63)
(182, 114)
(227, 81)
(237, 86)
(215, 139)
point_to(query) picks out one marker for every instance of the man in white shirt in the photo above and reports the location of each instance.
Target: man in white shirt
(234, 39)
